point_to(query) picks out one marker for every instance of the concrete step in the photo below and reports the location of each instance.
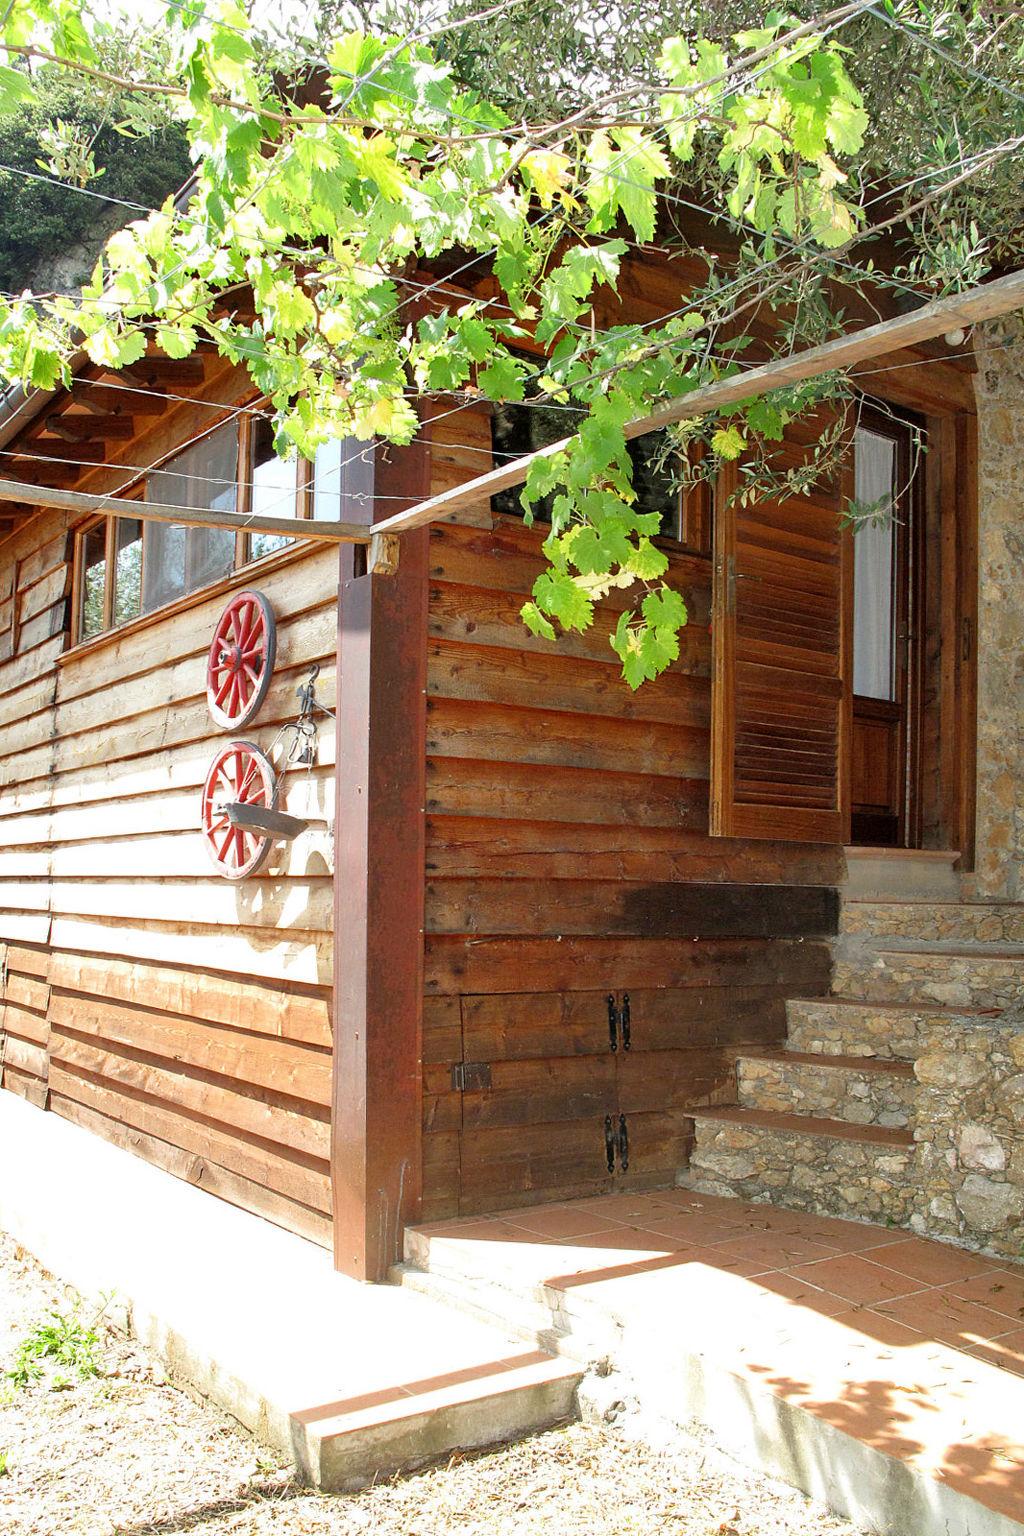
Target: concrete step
(960, 976)
(765, 1326)
(859, 1089)
(354, 1382)
(805, 1162)
(527, 1391)
(974, 922)
(849, 1026)
(901, 874)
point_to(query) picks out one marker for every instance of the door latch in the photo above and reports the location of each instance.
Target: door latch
(471, 1076)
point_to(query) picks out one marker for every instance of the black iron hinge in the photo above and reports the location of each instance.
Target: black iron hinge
(618, 1022)
(616, 1143)
(471, 1076)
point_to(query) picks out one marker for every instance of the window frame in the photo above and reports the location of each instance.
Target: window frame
(243, 559)
(304, 475)
(694, 509)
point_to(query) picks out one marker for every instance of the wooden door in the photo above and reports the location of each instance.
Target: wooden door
(539, 1081)
(781, 697)
(559, 1095)
(885, 609)
(668, 1060)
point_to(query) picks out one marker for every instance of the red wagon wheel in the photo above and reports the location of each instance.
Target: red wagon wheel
(241, 660)
(239, 774)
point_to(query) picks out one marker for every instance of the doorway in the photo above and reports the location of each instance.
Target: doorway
(887, 610)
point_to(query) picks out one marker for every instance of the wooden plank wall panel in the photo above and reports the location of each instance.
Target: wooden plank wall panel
(568, 857)
(146, 998)
(35, 579)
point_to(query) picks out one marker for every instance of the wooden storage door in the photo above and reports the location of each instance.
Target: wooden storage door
(539, 1082)
(541, 1088)
(781, 695)
(668, 1060)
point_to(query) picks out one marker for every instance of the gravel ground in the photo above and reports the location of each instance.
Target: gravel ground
(128, 1453)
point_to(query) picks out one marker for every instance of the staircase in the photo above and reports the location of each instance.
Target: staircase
(826, 1124)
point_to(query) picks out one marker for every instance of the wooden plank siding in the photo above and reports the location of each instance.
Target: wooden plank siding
(145, 997)
(568, 858)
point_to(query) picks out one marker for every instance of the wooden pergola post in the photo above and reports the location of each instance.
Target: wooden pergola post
(379, 885)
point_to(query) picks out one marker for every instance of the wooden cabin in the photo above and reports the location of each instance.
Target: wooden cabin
(529, 916)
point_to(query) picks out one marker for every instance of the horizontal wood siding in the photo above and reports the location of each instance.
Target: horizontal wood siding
(568, 858)
(146, 998)
(35, 582)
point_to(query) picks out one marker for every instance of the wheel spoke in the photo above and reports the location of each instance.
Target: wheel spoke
(239, 773)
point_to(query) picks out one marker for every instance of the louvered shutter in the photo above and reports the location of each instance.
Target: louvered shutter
(781, 707)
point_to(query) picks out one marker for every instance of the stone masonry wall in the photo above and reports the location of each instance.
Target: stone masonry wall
(934, 1142)
(969, 1135)
(1000, 818)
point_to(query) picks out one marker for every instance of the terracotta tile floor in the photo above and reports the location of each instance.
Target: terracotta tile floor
(914, 1347)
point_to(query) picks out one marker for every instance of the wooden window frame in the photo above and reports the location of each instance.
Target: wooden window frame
(304, 474)
(243, 557)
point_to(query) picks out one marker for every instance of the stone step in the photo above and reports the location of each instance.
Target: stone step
(901, 874)
(849, 1026)
(861, 1090)
(805, 1162)
(958, 976)
(975, 922)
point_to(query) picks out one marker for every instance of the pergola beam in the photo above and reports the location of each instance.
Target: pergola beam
(192, 517)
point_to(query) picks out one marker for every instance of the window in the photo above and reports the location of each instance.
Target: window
(92, 618)
(874, 566)
(520, 429)
(179, 559)
(126, 567)
(273, 487)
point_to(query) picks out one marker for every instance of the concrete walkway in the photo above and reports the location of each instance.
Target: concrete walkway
(353, 1381)
(877, 1371)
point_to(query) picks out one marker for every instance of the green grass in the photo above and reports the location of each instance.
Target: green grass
(62, 1339)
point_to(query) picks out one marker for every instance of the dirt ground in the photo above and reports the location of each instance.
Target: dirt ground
(128, 1453)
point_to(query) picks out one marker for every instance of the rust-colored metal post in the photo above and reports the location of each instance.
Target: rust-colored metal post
(378, 885)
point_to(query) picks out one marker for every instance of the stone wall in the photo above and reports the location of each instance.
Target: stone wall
(1000, 820)
(968, 1164)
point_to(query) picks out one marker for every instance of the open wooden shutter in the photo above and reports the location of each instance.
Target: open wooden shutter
(781, 707)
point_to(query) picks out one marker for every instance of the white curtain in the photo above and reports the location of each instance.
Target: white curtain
(874, 481)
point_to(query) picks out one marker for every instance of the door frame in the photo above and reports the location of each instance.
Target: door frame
(942, 677)
(909, 626)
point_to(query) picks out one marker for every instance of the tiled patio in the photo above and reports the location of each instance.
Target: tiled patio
(909, 1347)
